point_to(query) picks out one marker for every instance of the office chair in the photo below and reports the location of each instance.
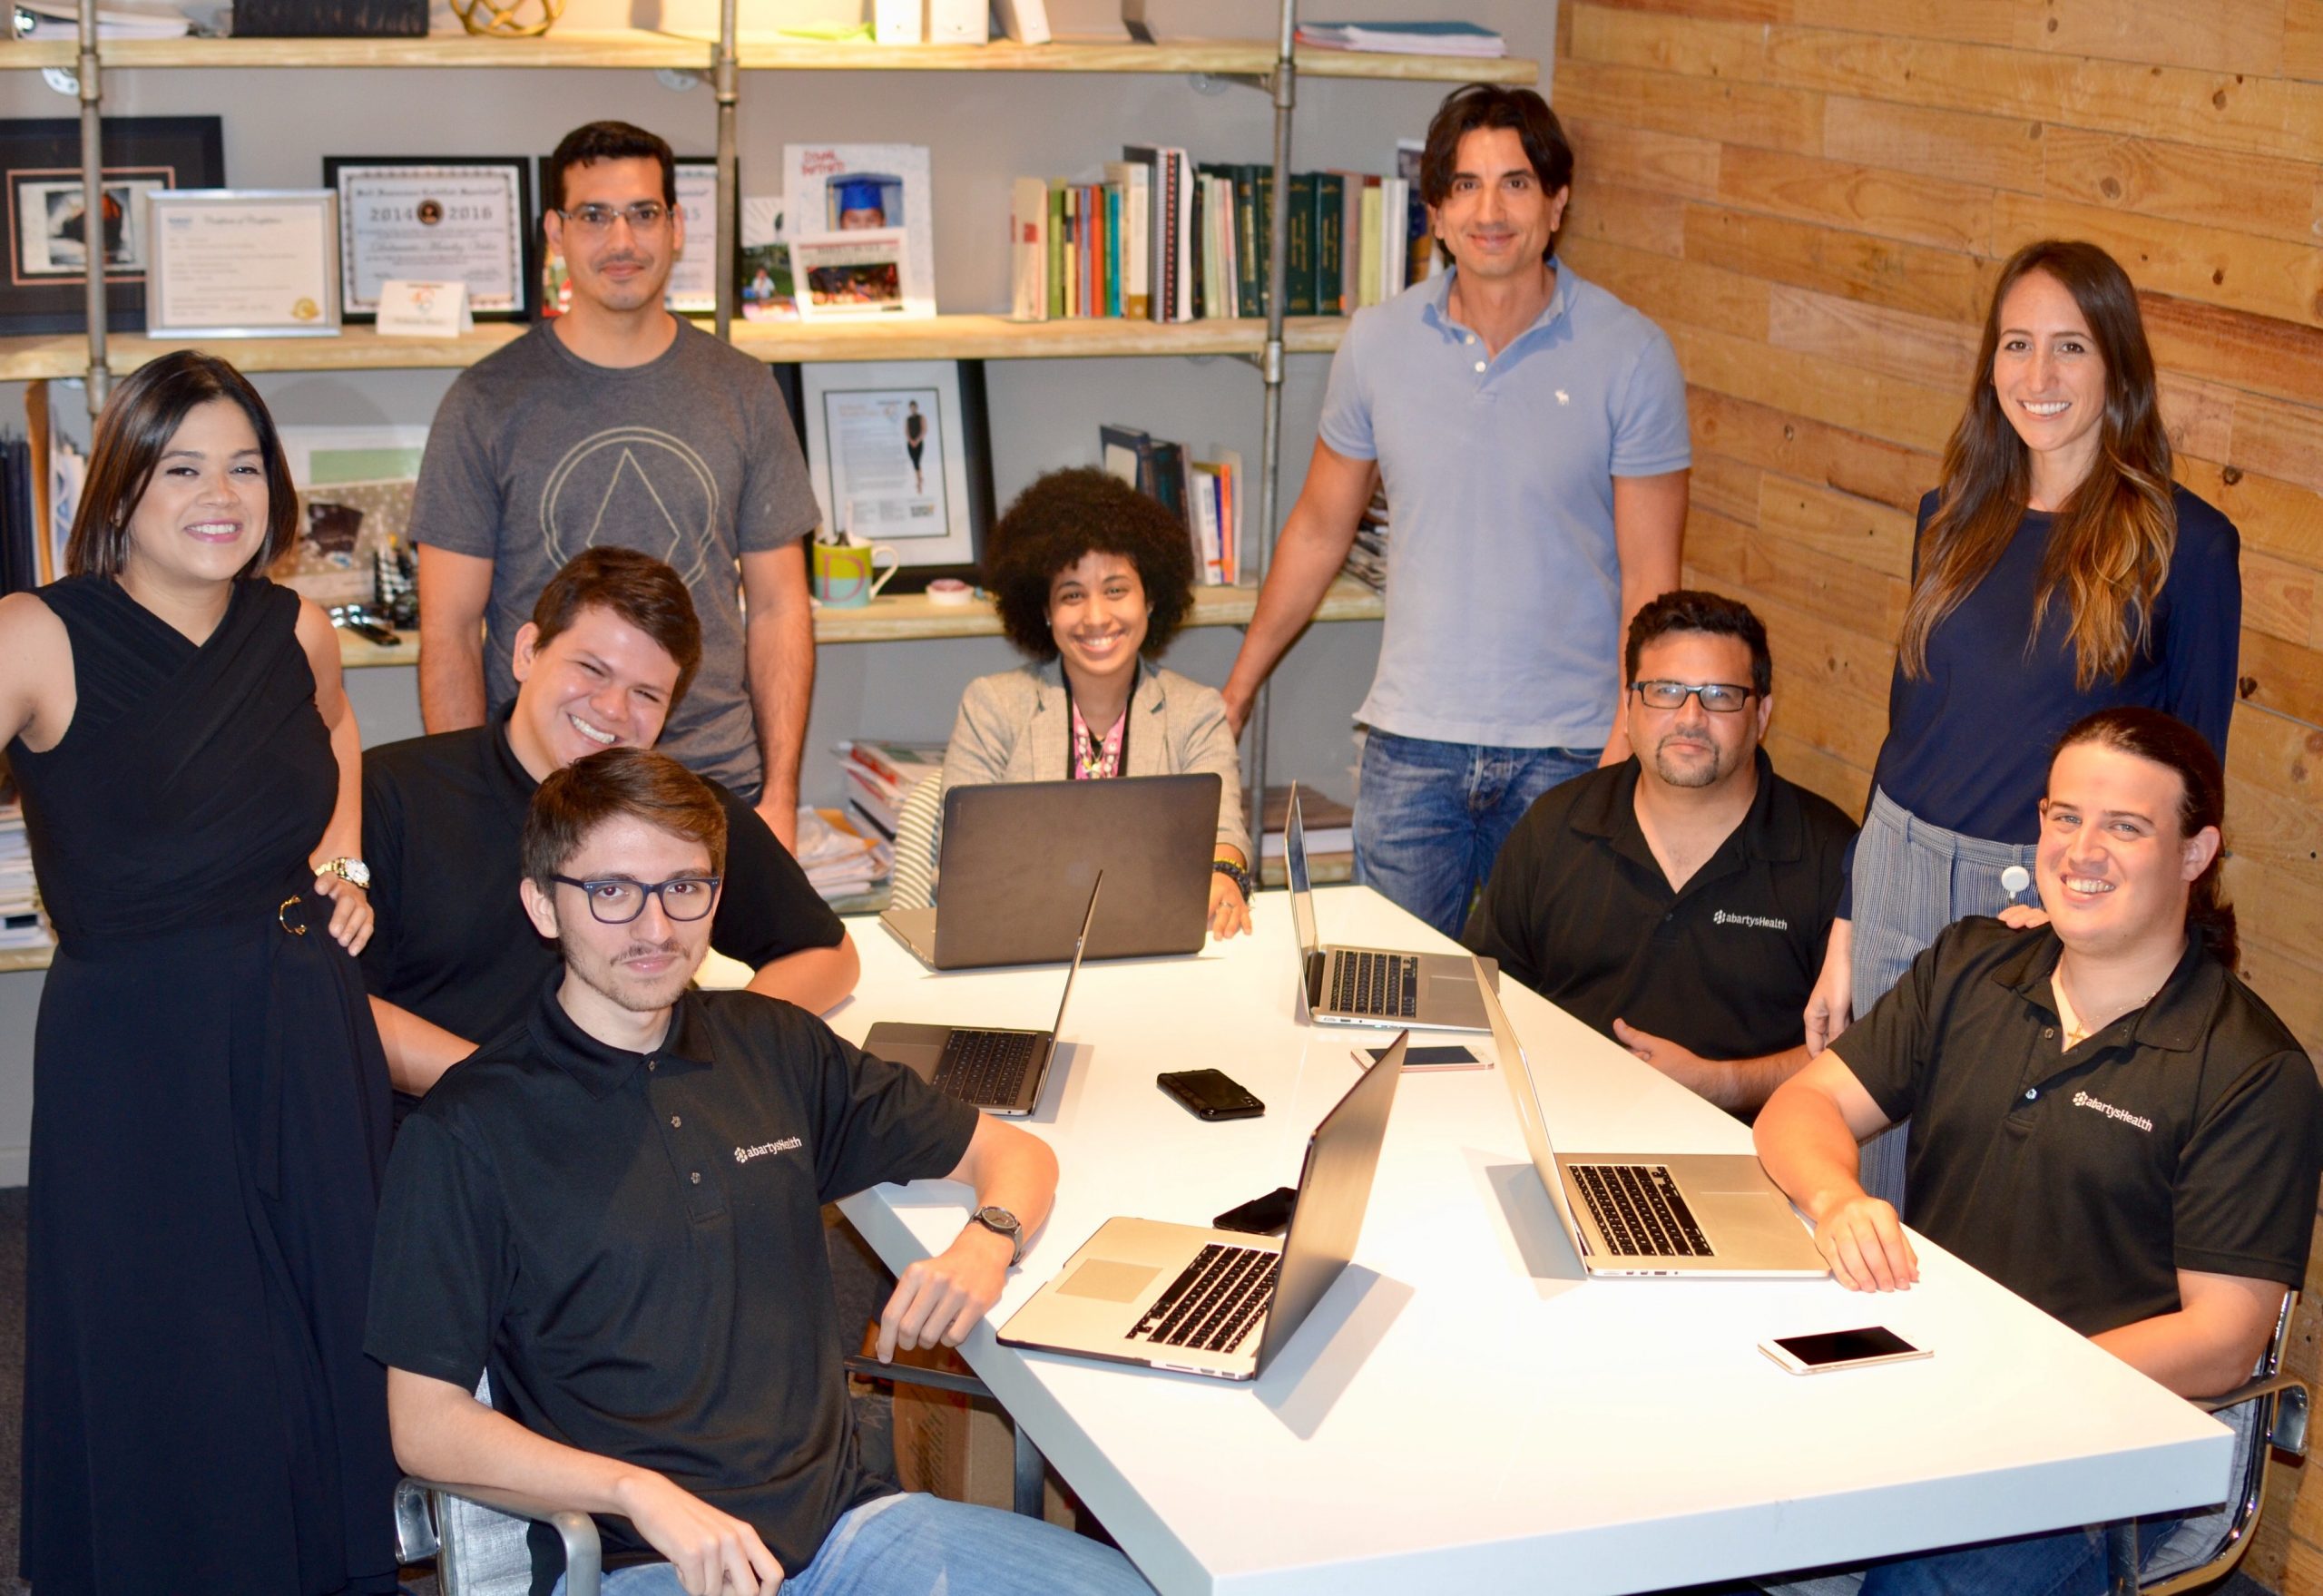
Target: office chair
(478, 1538)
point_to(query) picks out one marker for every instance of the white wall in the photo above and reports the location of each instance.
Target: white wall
(982, 130)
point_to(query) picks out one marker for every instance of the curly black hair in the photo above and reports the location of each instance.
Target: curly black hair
(1065, 516)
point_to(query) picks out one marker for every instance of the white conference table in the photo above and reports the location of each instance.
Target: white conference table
(1462, 1412)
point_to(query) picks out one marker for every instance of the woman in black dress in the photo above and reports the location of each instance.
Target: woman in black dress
(210, 1104)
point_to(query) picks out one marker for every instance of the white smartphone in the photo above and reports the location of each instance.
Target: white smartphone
(1841, 1349)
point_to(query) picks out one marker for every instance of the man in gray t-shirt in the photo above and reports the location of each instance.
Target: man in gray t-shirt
(617, 423)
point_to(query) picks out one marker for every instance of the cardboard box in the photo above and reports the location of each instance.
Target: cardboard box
(960, 1448)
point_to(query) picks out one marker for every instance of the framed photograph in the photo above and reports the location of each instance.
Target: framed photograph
(849, 277)
(765, 285)
(48, 222)
(433, 218)
(244, 263)
(900, 453)
(864, 189)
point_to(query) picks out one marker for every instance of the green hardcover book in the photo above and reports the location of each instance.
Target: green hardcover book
(1299, 283)
(1250, 233)
(1331, 201)
(1261, 234)
(1057, 249)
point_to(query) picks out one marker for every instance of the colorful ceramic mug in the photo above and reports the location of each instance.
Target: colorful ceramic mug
(847, 576)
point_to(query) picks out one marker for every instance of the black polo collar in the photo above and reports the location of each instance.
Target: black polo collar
(1772, 829)
(601, 1069)
(2176, 1019)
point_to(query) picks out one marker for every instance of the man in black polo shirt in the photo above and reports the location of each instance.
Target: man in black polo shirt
(1679, 901)
(612, 646)
(614, 1206)
(2104, 1120)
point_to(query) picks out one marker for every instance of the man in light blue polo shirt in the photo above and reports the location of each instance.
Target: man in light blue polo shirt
(1530, 430)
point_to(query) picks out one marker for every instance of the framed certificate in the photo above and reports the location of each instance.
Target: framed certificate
(242, 263)
(433, 218)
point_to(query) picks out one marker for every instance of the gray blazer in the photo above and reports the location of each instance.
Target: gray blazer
(1013, 727)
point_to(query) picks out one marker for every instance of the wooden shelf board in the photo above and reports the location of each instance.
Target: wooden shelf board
(622, 47)
(31, 54)
(774, 52)
(25, 958)
(913, 617)
(941, 337)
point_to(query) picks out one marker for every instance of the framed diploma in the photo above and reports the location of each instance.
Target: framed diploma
(244, 263)
(434, 219)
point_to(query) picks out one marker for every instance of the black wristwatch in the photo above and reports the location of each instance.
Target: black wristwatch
(1001, 1222)
(1234, 873)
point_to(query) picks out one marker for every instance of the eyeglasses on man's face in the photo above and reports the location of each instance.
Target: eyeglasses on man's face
(645, 216)
(1719, 698)
(616, 900)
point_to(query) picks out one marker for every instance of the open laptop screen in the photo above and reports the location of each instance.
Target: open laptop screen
(1294, 869)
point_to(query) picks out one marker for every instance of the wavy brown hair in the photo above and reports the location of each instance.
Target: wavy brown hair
(2109, 550)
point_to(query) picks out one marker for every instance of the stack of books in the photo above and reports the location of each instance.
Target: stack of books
(1157, 237)
(840, 862)
(1204, 494)
(1329, 824)
(1366, 559)
(1405, 38)
(22, 924)
(879, 774)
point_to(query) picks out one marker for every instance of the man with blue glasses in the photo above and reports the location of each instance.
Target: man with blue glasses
(619, 423)
(1680, 900)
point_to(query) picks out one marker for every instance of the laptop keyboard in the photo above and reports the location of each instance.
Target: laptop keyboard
(1637, 1210)
(1214, 1304)
(988, 1067)
(1386, 985)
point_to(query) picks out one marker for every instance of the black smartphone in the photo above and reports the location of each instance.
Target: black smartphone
(1262, 1216)
(1449, 1056)
(1209, 1095)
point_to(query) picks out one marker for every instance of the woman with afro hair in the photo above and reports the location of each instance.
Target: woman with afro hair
(1093, 579)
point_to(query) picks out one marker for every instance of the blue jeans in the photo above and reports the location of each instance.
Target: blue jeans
(1430, 816)
(918, 1545)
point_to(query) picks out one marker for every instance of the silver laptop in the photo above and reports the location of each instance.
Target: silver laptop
(1699, 1213)
(1001, 1071)
(1016, 857)
(1374, 985)
(1190, 1299)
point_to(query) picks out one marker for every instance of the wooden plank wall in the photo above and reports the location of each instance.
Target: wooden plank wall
(1813, 198)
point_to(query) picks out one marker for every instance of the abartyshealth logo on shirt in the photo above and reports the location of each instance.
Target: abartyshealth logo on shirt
(743, 1155)
(2082, 1099)
(1763, 922)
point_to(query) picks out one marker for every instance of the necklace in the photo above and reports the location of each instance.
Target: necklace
(2069, 1019)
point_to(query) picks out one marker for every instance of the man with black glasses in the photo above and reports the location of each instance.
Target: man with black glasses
(618, 423)
(612, 1205)
(1680, 900)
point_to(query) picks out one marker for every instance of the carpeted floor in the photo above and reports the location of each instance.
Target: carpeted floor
(13, 1210)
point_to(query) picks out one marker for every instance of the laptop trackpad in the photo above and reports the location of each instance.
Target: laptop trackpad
(1112, 1282)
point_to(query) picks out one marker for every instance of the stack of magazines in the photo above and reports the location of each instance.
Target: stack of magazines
(1405, 38)
(1366, 559)
(22, 924)
(840, 862)
(879, 774)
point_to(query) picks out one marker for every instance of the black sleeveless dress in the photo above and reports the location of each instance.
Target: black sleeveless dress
(209, 1130)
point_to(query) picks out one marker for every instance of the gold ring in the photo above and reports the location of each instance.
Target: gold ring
(282, 917)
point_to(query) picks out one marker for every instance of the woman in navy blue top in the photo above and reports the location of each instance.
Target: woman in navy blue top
(2057, 570)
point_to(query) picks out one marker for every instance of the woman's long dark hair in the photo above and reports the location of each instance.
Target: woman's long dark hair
(2167, 741)
(2109, 550)
(135, 427)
